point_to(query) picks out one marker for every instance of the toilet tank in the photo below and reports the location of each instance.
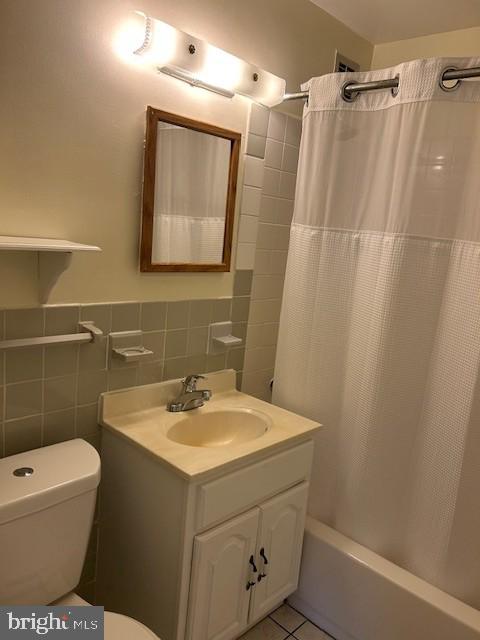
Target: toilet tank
(47, 503)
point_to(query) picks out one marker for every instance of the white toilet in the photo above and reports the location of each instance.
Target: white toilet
(47, 503)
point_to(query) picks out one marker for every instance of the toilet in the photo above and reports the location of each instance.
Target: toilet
(47, 504)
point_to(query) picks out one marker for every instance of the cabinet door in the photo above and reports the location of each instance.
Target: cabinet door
(219, 598)
(279, 549)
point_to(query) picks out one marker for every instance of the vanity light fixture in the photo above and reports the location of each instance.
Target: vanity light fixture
(170, 70)
(165, 49)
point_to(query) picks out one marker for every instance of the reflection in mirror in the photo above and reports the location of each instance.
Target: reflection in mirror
(189, 194)
(191, 183)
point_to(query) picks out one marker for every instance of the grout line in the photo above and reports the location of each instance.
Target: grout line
(279, 625)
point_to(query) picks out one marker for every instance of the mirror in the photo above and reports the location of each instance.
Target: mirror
(190, 178)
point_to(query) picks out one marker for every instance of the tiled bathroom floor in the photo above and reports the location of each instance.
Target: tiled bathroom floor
(284, 623)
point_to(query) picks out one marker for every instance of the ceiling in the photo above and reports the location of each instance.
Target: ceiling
(388, 20)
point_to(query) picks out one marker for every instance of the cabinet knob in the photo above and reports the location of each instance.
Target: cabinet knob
(261, 576)
(250, 584)
(254, 566)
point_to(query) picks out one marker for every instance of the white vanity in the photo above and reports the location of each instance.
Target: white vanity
(202, 512)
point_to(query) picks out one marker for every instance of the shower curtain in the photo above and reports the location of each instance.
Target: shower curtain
(380, 324)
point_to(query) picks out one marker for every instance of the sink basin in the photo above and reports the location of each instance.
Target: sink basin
(219, 428)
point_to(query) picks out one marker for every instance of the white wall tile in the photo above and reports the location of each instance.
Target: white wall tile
(256, 145)
(269, 334)
(248, 228)
(265, 236)
(273, 154)
(277, 126)
(284, 211)
(271, 182)
(275, 211)
(245, 255)
(259, 117)
(294, 131)
(281, 237)
(262, 335)
(268, 209)
(273, 236)
(278, 262)
(268, 286)
(287, 185)
(256, 383)
(251, 198)
(290, 158)
(262, 261)
(255, 335)
(264, 311)
(259, 358)
(253, 172)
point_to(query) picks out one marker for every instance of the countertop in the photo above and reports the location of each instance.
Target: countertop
(139, 415)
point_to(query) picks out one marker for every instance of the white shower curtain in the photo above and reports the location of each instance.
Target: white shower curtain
(380, 325)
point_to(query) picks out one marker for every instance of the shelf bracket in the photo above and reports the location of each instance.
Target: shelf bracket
(51, 265)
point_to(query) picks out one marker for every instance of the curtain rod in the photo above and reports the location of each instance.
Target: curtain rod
(351, 90)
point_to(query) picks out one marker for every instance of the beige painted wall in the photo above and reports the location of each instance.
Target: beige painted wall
(465, 42)
(72, 126)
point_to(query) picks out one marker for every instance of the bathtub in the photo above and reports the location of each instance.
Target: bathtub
(355, 594)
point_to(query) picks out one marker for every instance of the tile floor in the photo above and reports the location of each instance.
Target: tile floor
(285, 622)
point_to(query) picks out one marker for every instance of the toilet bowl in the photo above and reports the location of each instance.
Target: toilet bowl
(47, 504)
(116, 625)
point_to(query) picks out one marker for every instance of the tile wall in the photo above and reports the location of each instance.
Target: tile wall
(266, 215)
(50, 394)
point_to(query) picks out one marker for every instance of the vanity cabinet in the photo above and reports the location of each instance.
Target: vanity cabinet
(242, 569)
(199, 543)
(178, 553)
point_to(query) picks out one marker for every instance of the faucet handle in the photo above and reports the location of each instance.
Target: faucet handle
(190, 382)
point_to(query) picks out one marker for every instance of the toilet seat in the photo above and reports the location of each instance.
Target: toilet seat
(117, 626)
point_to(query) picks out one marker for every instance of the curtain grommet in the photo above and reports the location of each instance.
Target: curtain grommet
(441, 81)
(395, 90)
(349, 96)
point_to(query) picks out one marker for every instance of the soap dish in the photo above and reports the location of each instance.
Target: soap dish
(132, 354)
(220, 337)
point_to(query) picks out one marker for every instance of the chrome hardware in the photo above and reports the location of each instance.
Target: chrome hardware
(396, 89)
(351, 89)
(263, 556)
(23, 472)
(190, 382)
(250, 584)
(190, 398)
(444, 78)
(347, 94)
(252, 562)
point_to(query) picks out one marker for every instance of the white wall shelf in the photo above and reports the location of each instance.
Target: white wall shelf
(17, 243)
(54, 257)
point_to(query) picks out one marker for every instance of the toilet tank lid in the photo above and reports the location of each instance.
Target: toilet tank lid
(60, 472)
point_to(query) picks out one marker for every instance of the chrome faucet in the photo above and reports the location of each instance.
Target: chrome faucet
(190, 397)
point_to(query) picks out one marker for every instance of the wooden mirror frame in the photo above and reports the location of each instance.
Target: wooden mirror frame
(153, 116)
